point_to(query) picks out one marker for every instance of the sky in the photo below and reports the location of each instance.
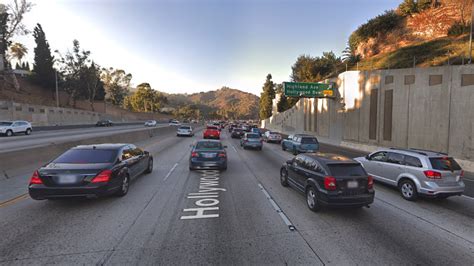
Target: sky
(187, 46)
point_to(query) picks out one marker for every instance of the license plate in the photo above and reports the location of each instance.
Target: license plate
(352, 184)
(67, 179)
(208, 155)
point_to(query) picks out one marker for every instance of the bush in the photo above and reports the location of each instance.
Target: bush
(381, 24)
(408, 7)
(458, 28)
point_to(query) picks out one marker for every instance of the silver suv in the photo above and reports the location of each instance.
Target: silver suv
(416, 172)
(10, 128)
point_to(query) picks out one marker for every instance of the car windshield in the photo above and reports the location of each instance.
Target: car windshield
(208, 145)
(87, 156)
(6, 123)
(309, 141)
(445, 164)
(346, 170)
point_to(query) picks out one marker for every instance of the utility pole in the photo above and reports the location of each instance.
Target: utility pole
(470, 34)
(57, 91)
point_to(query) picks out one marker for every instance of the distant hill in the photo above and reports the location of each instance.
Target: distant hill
(224, 102)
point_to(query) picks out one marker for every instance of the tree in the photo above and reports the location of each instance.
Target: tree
(266, 98)
(116, 84)
(145, 99)
(11, 23)
(44, 73)
(72, 66)
(18, 51)
(94, 86)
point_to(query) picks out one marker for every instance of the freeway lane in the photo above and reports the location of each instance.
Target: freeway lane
(42, 138)
(145, 227)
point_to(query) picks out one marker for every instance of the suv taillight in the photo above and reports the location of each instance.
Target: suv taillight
(329, 183)
(222, 155)
(432, 174)
(103, 176)
(194, 154)
(35, 179)
(370, 182)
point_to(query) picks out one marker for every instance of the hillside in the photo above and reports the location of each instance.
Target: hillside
(225, 102)
(433, 36)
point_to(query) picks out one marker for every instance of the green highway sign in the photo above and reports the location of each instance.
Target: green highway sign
(309, 90)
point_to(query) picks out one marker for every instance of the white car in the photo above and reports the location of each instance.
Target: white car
(271, 136)
(185, 131)
(150, 123)
(10, 128)
(175, 123)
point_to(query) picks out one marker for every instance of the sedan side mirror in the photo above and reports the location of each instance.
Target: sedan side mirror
(367, 157)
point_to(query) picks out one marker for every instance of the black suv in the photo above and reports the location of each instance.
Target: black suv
(328, 180)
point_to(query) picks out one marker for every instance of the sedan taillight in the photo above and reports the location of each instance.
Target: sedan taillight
(370, 182)
(194, 154)
(35, 179)
(222, 155)
(103, 176)
(329, 183)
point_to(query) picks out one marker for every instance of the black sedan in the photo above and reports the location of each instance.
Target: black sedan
(208, 154)
(104, 123)
(90, 171)
(237, 133)
(328, 180)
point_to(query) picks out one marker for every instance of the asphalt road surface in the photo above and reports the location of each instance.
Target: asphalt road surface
(234, 220)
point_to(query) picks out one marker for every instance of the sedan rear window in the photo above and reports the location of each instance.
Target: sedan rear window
(86, 156)
(211, 127)
(209, 145)
(309, 141)
(445, 164)
(185, 128)
(346, 170)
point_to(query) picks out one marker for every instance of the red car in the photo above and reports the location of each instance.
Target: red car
(212, 132)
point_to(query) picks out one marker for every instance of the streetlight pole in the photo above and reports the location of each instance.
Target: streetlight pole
(57, 91)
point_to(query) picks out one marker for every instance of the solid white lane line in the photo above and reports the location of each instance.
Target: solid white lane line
(171, 171)
(467, 197)
(277, 209)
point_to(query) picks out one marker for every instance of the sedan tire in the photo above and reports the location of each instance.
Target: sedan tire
(124, 187)
(312, 199)
(408, 190)
(149, 169)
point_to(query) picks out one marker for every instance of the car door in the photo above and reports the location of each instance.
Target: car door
(375, 164)
(130, 160)
(16, 128)
(142, 162)
(296, 143)
(394, 166)
(298, 173)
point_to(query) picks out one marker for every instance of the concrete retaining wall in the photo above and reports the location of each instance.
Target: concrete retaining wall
(432, 108)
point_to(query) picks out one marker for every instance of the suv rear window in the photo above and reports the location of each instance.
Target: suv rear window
(445, 164)
(209, 145)
(86, 156)
(309, 141)
(253, 136)
(346, 170)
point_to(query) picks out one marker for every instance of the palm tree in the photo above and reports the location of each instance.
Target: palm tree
(18, 51)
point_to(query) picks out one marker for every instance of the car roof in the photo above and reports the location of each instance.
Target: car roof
(329, 158)
(104, 146)
(415, 152)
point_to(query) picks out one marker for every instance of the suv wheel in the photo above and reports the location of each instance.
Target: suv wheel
(28, 132)
(283, 147)
(284, 177)
(124, 187)
(408, 190)
(9, 133)
(295, 151)
(312, 199)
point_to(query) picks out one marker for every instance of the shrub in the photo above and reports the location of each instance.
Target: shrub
(458, 28)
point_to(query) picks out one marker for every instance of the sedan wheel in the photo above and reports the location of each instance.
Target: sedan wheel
(284, 177)
(124, 187)
(312, 200)
(149, 169)
(408, 190)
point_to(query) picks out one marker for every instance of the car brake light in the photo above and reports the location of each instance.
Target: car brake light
(329, 183)
(194, 154)
(461, 174)
(370, 182)
(222, 155)
(35, 179)
(103, 176)
(432, 174)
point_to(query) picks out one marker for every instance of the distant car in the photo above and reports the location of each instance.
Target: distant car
(256, 131)
(231, 127)
(328, 180)
(237, 133)
(10, 128)
(300, 143)
(174, 123)
(208, 154)
(150, 123)
(246, 128)
(272, 136)
(104, 123)
(185, 131)
(416, 172)
(251, 140)
(90, 171)
(212, 132)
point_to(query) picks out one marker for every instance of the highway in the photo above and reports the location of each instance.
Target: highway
(157, 222)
